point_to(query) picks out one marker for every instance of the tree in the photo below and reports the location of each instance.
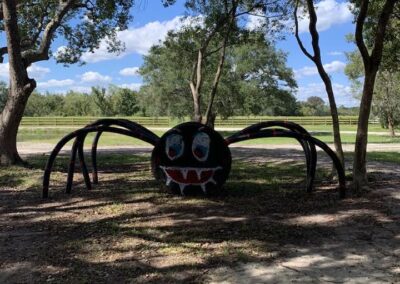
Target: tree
(251, 82)
(125, 101)
(372, 28)
(103, 101)
(386, 102)
(78, 104)
(30, 27)
(219, 30)
(317, 60)
(314, 106)
(45, 105)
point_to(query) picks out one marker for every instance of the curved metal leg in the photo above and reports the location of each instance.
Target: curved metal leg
(308, 138)
(67, 138)
(309, 149)
(94, 157)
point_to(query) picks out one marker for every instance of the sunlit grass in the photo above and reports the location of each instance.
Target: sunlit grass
(53, 135)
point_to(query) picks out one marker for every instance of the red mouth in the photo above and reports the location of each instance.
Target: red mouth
(184, 176)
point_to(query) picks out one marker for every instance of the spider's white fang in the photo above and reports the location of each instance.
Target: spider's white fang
(198, 172)
(184, 176)
(184, 173)
(182, 187)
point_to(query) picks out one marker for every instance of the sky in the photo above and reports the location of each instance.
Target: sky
(151, 22)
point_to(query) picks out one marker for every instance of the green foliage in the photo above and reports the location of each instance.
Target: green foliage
(386, 103)
(84, 25)
(125, 101)
(314, 106)
(46, 104)
(251, 82)
(78, 104)
(101, 102)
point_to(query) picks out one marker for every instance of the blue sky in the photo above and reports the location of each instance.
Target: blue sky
(151, 23)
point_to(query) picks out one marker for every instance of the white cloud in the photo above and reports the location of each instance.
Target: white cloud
(95, 77)
(342, 93)
(255, 20)
(4, 72)
(81, 89)
(333, 67)
(335, 53)
(130, 71)
(131, 86)
(329, 13)
(56, 83)
(139, 40)
(34, 71)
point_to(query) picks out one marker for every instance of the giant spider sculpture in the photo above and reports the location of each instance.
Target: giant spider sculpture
(190, 156)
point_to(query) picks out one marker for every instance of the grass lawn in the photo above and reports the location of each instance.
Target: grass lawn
(128, 229)
(53, 135)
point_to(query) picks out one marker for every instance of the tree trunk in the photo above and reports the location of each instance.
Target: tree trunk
(196, 108)
(209, 115)
(337, 141)
(360, 178)
(210, 122)
(316, 58)
(391, 125)
(195, 85)
(19, 90)
(10, 119)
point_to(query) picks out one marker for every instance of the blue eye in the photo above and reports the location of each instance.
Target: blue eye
(201, 146)
(174, 146)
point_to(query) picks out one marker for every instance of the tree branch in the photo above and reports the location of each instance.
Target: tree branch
(296, 33)
(376, 54)
(43, 52)
(362, 15)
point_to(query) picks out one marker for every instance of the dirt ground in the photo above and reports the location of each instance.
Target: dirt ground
(127, 230)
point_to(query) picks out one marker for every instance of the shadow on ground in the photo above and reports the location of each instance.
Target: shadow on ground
(264, 227)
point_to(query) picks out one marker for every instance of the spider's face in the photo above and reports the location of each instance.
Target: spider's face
(191, 156)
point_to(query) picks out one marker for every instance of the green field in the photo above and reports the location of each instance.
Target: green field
(53, 135)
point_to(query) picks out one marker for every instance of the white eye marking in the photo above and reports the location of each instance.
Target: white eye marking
(201, 146)
(174, 146)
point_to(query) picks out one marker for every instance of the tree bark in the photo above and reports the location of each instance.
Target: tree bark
(10, 119)
(360, 178)
(19, 90)
(391, 126)
(209, 115)
(316, 58)
(195, 86)
(371, 65)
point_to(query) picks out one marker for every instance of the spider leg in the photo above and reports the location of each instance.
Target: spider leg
(81, 155)
(309, 139)
(94, 157)
(71, 168)
(143, 133)
(308, 148)
(76, 134)
(123, 123)
(77, 148)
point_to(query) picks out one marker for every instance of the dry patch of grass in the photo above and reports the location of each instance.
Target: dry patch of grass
(129, 229)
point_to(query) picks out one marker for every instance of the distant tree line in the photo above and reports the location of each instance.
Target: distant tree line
(115, 101)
